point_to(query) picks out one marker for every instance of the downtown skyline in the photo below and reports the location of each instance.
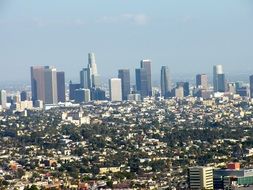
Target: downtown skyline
(49, 86)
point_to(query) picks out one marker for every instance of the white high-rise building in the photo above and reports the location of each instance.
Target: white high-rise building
(3, 99)
(115, 89)
(200, 178)
(92, 63)
(51, 96)
(93, 76)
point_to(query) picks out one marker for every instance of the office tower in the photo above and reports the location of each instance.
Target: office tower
(44, 84)
(202, 81)
(3, 99)
(38, 83)
(165, 82)
(92, 63)
(202, 89)
(141, 82)
(93, 76)
(51, 96)
(98, 94)
(124, 75)
(84, 82)
(23, 96)
(219, 82)
(61, 87)
(72, 88)
(146, 64)
(200, 178)
(251, 86)
(185, 86)
(82, 95)
(115, 89)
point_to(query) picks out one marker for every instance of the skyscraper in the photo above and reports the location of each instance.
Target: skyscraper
(218, 79)
(38, 83)
(3, 99)
(93, 76)
(165, 82)
(251, 86)
(84, 78)
(61, 87)
(221, 83)
(44, 84)
(146, 64)
(51, 96)
(202, 81)
(141, 82)
(124, 75)
(92, 63)
(115, 89)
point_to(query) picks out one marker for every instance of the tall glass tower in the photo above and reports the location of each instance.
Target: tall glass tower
(124, 75)
(165, 82)
(141, 82)
(219, 82)
(146, 64)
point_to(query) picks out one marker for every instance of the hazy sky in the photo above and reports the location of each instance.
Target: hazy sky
(187, 35)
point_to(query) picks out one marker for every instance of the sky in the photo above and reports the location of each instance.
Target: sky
(187, 36)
